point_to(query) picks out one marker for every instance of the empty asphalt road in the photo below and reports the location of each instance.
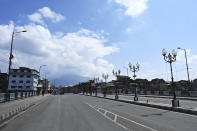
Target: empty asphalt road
(84, 113)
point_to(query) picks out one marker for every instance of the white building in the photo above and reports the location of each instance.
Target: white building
(23, 79)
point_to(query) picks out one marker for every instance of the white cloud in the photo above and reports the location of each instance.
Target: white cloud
(79, 53)
(45, 12)
(36, 17)
(134, 8)
(5, 33)
(48, 13)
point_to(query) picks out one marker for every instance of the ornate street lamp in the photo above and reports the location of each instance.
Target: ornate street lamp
(134, 69)
(116, 74)
(105, 77)
(170, 58)
(96, 80)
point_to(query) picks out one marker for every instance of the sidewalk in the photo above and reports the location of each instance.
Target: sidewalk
(11, 108)
(190, 107)
(166, 97)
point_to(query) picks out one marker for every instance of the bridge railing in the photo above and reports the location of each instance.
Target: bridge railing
(6, 97)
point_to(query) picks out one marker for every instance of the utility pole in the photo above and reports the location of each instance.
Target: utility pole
(11, 55)
(185, 51)
(54, 83)
(10, 58)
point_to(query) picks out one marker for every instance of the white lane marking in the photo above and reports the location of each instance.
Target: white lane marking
(115, 119)
(131, 121)
(138, 123)
(104, 114)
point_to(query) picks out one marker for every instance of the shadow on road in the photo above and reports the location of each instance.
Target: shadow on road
(155, 114)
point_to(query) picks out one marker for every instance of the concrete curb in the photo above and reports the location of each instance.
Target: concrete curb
(6, 116)
(175, 109)
(167, 97)
(13, 112)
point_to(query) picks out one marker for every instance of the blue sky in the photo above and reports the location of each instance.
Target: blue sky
(123, 31)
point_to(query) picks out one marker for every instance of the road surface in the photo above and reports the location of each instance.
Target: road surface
(85, 113)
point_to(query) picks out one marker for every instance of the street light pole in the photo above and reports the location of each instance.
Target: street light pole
(11, 55)
(105, 77)
(185, 62)
(134, 69)
(96, 83)
(38, 91)
(116, 74)
(41, 68)
(170, 58)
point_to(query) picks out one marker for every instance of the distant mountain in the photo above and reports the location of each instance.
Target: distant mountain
(67, 80)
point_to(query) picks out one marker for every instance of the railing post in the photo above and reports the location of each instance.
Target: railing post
(7, 97)
(16, 95)
(21, 95)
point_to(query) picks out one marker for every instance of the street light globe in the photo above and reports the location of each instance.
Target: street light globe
(164, 52)
(113, 72)
(138, 66)
(119, 72)
(130, 65)
(174, 53)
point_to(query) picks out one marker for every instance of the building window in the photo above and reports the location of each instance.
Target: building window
(21, 75)
(27, 81)
(27, 87)
(13, 75)
(20, 87)
(29, 70)
(36, 77)
(15, 70)
(12, 86)
(28, 76)
(20, 81)
(22, 70)
(13, 81)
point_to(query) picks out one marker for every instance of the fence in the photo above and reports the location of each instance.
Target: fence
(5, 97)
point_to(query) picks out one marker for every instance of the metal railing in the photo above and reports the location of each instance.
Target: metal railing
(6, 97)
